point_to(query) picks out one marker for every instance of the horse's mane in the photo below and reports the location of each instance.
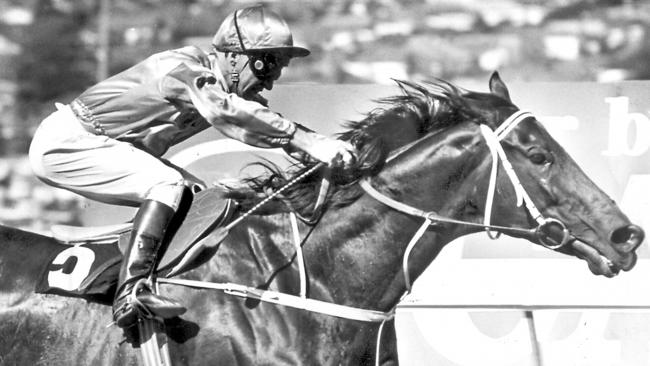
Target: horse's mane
(435, 105)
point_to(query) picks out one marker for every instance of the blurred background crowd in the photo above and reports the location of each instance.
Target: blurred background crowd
(51, 50)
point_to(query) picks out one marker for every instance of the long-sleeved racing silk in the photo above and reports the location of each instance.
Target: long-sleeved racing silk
(171, 96)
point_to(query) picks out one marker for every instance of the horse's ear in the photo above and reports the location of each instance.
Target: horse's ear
(498, 87)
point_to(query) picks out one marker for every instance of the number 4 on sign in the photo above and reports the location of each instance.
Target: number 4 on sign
(72, 280)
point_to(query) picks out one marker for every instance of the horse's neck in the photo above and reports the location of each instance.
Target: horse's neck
(362, 246)
(359, 258)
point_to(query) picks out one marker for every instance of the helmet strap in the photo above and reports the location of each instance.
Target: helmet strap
(234, 74)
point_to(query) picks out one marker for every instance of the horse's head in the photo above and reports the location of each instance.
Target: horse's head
(581, 219)
(536, 191)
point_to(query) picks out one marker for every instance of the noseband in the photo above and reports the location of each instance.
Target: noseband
(550, 232)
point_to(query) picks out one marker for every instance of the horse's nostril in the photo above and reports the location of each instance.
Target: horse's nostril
(628, 237)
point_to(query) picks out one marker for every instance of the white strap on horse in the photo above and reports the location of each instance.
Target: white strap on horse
(407, 209)
(297, 302)
(493, 140)
(297, 242)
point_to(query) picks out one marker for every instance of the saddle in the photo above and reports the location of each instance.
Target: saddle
(88, 263)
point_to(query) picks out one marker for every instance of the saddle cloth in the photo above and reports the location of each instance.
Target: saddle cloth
(197, 234)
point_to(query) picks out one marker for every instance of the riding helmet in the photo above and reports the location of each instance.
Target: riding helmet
(256, 30)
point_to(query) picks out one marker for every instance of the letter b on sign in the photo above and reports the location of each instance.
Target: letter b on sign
(621, 142)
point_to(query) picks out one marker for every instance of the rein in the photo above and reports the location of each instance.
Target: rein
(493, 140)
(275, 194)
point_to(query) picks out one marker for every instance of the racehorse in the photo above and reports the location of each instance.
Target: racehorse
(426, 171)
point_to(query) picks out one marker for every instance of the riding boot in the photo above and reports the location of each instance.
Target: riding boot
(140, 260)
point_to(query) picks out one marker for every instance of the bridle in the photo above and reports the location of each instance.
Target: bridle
(546, 226)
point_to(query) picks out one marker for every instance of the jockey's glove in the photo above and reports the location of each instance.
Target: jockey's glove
(335, 153)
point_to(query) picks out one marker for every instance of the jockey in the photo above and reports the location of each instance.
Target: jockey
(107, 144)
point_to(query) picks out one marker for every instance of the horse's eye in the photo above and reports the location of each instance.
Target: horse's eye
(539, 156)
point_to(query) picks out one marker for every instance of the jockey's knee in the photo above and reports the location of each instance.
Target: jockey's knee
(178, 196)
(169, 193)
